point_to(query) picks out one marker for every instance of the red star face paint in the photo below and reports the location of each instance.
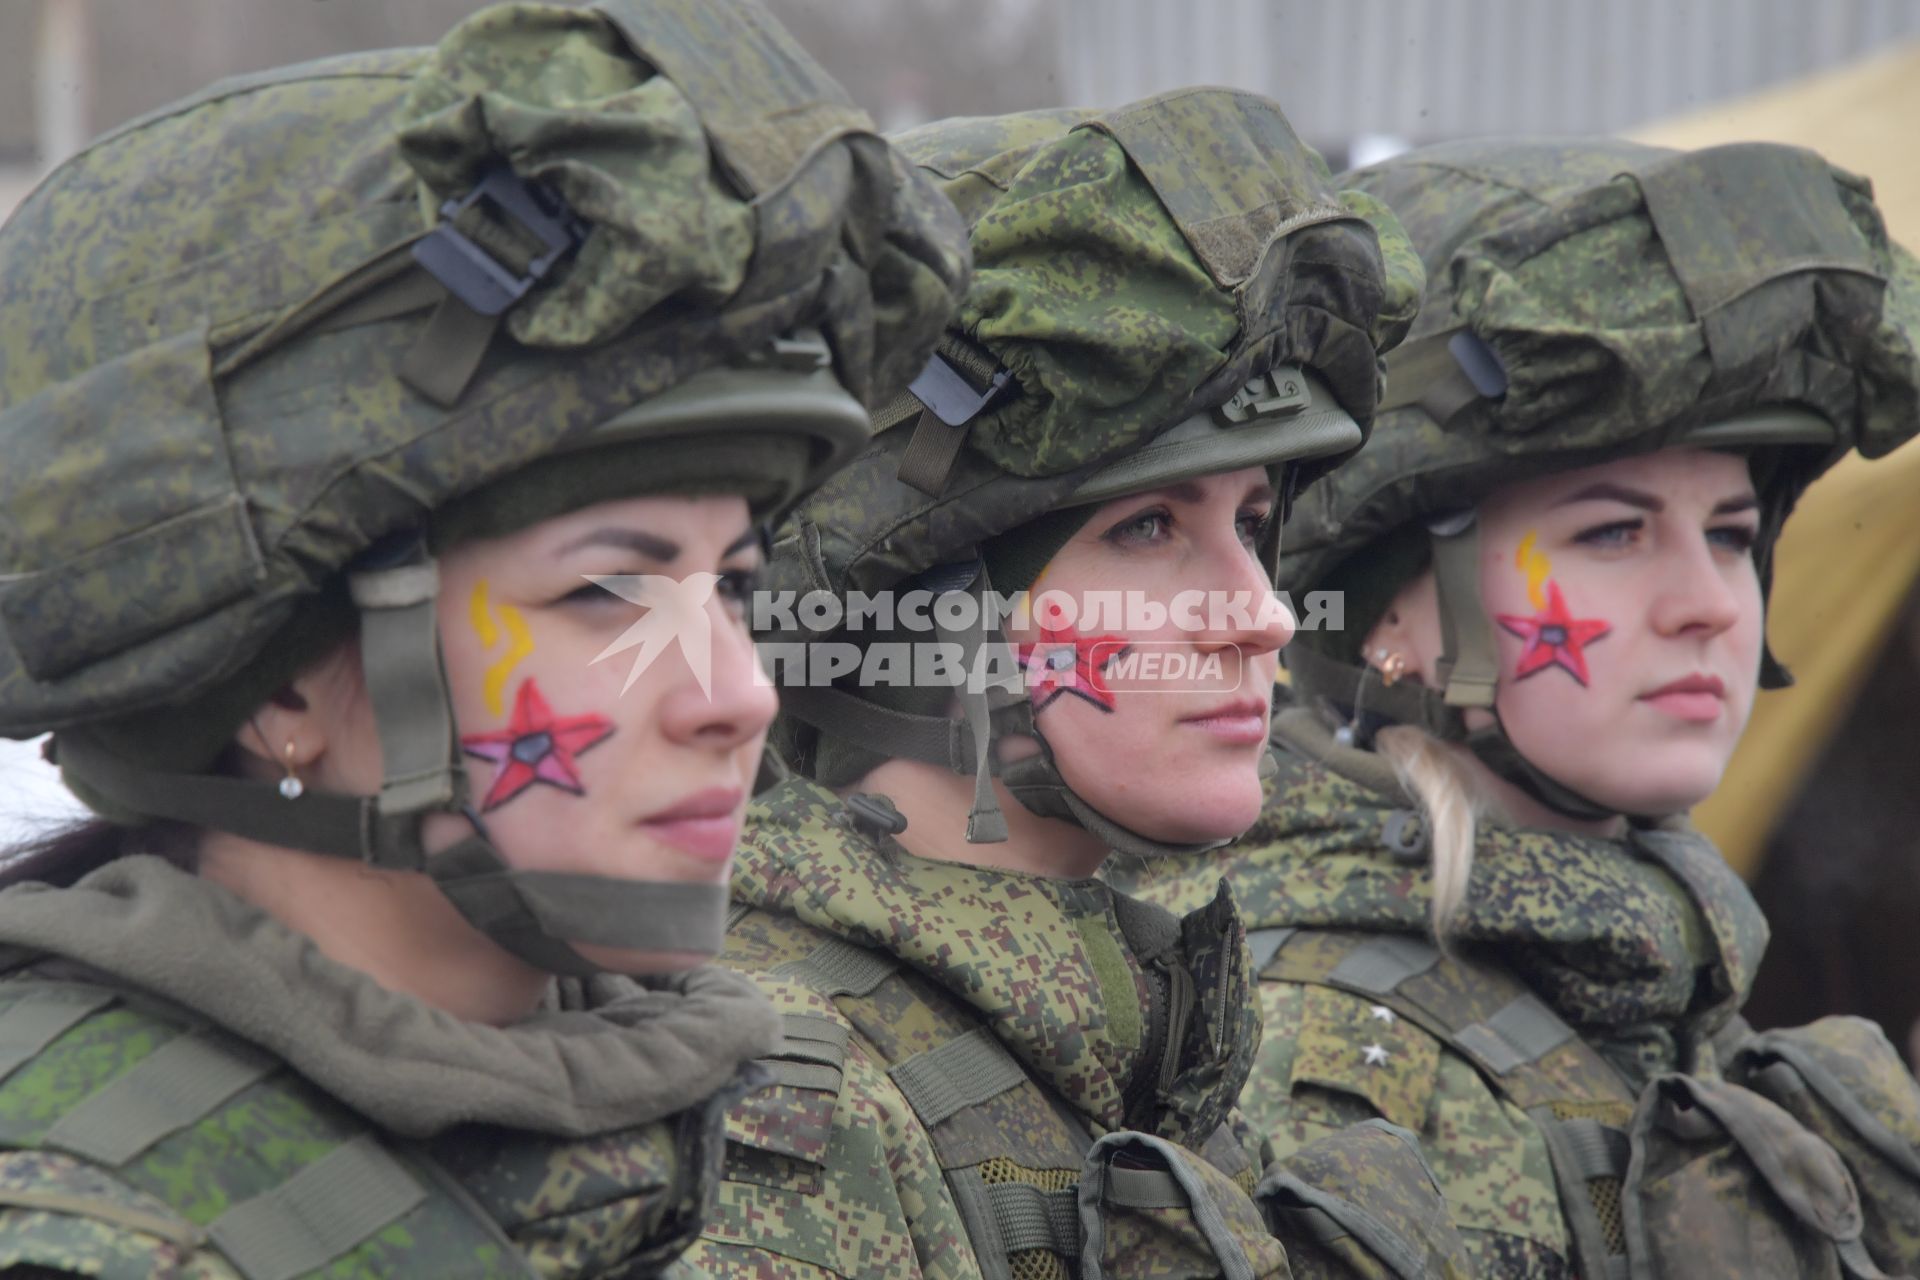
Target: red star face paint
(1555, 638)
(536, 746)
(1064, 661)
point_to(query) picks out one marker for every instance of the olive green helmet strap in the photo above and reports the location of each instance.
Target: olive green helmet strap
(532, 914)
(997, 709)
(979, 699)
(1469, 668)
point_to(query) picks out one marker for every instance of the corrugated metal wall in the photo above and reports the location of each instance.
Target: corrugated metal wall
(1424, 70)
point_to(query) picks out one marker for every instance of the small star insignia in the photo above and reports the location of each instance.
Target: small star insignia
(1376, 1055)
(1380, 1013)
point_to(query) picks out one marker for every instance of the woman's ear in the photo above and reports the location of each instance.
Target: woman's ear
(1408, 633)
(302, 720)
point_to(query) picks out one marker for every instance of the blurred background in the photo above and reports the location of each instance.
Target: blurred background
(1820, 810)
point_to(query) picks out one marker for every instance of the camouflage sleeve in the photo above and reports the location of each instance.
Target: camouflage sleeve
(1841, 1078)
(62, 1217)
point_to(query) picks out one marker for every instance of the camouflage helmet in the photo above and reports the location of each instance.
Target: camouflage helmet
(1588, 300)
(1170, 289)
(253, 344)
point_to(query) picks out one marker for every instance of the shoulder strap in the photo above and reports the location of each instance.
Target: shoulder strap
(1577, 1100)
(120, 1084)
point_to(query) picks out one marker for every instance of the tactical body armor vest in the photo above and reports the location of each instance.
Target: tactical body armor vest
(1670, 1138)
(1063, 1059)
(138, 1140)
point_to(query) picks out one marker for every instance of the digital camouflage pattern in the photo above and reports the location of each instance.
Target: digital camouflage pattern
(1630, 294)
(840, 1173)
(1131, 268)
(1614, 943)
(733, 194)
(591, 1206)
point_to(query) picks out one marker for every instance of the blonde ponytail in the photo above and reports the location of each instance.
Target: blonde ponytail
(1433, 776)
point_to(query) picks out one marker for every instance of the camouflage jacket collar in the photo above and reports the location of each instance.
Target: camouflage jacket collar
(1651, 935)
(1070, 975)
(637, 1054)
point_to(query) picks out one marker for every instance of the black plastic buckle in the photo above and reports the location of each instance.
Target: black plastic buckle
(1281, 391)
(941, 388)
(472, 274)
(874, 815)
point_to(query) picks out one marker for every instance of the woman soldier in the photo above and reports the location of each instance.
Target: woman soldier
(994, 1065)
(1479, 910)
(343, 406)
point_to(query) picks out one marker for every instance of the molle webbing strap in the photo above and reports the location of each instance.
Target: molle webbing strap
(327, 1209)
(174, 1087)
(1004, 1218)
(1379, 965)
(813, 1037)
(962, 1072)
(1589, 1162)
(41, 1014)
(1262, 944)
(1029, 1218)
(1523, 1030)
(837, 968)
(812, 1054)
(801, 1075)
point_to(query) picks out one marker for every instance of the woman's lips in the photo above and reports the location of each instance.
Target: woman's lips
(1242, 723)
(705, 825)
(1696, 699)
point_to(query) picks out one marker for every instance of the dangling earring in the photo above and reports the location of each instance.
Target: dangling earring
(290, 786)
(1393, 665)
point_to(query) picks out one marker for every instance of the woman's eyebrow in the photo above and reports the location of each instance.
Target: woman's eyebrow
(745, 540)
(1733, 506)
(1606, 491)
(665, 550)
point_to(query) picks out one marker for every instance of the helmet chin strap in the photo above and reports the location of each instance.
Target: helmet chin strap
(1469, 670)
(536, 915)
(993, 710)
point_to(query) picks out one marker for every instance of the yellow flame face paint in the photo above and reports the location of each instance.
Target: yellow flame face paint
(1536, 566)
(481, 613)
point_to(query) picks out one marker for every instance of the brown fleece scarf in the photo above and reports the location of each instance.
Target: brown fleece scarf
(641, 1053)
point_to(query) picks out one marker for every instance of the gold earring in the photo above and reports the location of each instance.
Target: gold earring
(1392, 667)
(290, 786)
